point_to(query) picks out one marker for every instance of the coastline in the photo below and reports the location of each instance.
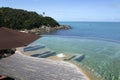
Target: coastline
(80, 68)
(55, 58)
(46, 29)
(30, 68)
(87, 72)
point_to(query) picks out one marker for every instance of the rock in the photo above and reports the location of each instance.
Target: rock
(63, 27)
(46, 29)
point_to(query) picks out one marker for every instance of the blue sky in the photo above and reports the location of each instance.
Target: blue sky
(70, 10)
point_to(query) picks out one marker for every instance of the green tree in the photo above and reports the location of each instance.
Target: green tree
(22, 19)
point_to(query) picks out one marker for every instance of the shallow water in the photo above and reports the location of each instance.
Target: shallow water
(99, 41)
(101, 57)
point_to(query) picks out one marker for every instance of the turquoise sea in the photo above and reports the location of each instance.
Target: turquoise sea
(99, 41)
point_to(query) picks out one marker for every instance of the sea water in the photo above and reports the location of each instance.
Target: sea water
(107, 30)
(98, 41)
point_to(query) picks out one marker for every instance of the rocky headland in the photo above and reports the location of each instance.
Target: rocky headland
(46, 29)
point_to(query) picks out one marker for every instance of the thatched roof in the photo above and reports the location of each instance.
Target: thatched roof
(11, 38)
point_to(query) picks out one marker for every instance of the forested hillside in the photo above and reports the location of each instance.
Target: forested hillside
(22, 19)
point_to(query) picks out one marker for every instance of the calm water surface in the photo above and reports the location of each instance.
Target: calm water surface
(99, 41)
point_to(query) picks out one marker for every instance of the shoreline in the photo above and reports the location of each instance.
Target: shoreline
(46, 29)
(32, 65)
(74, 63)
(81, 68)
(87, 72)
(55, 58)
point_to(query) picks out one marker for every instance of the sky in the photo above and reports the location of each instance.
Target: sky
(70, 10)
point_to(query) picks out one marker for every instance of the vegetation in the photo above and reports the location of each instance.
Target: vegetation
(22, 19)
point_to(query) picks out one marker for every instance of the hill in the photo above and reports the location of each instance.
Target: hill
(23, 19)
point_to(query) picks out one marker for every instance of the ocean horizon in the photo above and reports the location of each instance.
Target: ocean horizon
(100, 30)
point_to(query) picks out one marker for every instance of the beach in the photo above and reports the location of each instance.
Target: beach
(57, 58)
(30, 68)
